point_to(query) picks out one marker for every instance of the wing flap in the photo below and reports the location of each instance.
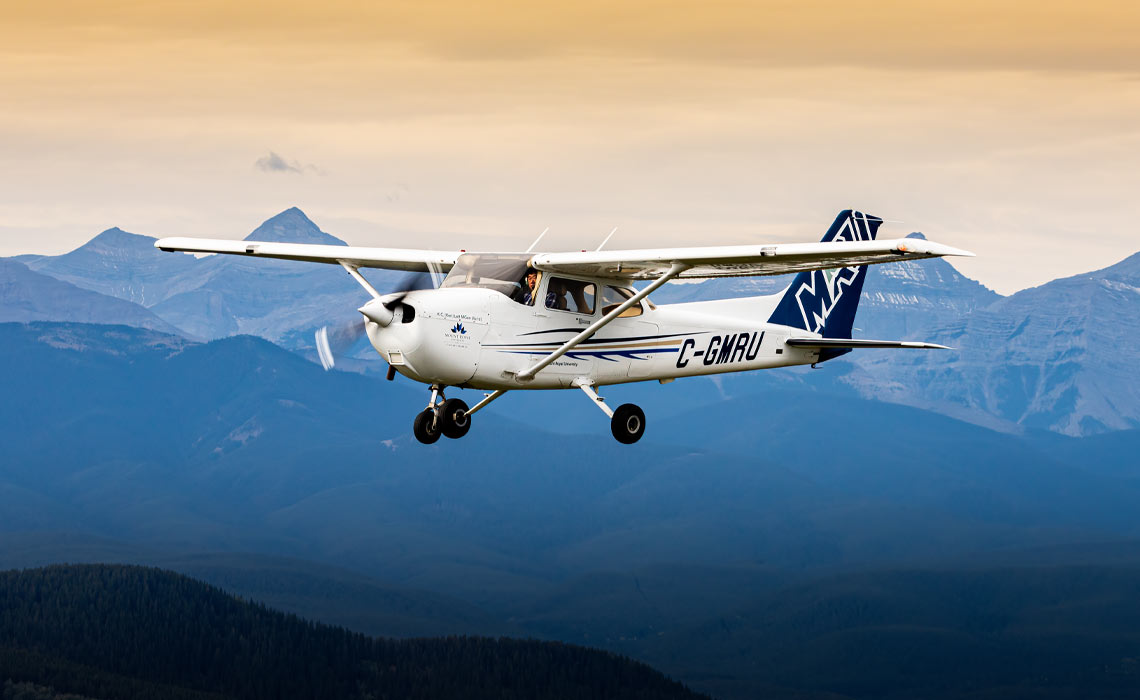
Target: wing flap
(386, 258)
(737, 261)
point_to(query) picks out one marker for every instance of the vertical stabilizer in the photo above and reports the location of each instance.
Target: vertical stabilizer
(824, 301)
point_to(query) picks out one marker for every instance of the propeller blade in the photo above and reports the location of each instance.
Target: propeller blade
(409, 283)
(337, 341)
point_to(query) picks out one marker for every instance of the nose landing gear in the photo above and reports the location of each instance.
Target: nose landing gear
(427, 427)
(443, 416)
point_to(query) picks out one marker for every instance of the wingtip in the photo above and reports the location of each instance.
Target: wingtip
(169, 245)
(943, 250)
(958, 252)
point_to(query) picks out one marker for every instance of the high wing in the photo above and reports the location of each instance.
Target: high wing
(353, 256)
(719, 261)
(739, 261)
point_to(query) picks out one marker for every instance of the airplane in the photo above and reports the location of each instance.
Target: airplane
(502, 322)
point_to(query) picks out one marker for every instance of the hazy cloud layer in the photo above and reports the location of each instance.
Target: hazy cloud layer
(1095, 35)
(274, 163)
(1010, 130)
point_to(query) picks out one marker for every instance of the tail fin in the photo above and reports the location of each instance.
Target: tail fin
(824, 301)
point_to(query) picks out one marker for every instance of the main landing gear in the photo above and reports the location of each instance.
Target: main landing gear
(452, 418)
(443, 416)
(627, 423)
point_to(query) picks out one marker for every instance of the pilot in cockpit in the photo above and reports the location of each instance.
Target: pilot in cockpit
(528, 288)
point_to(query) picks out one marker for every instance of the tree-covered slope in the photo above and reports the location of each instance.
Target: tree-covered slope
(118, 631)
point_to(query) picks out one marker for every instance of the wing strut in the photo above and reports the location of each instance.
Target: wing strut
(674, 270)
(351, 269)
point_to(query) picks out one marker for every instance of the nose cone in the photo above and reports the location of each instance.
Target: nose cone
(376, 312)
(433, 336)
(397, 342)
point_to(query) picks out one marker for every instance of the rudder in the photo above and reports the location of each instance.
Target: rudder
(824, 301)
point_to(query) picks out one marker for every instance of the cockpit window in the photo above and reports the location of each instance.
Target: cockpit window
(570, 295)
(612, 297)
(503, 273)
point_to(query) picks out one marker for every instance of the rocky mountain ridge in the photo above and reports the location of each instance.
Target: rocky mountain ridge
(1058, 357)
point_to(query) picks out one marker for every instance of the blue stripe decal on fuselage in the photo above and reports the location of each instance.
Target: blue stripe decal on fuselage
(593, 341)
(604, 354)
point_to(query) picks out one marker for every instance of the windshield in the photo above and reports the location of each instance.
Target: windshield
(503, 273)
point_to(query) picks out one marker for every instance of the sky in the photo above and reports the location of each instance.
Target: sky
(1011, 129)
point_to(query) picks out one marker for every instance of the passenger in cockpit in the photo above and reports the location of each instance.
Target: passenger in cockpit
(556, 294)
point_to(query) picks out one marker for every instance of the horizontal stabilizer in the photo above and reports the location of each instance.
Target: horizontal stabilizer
(849, 343)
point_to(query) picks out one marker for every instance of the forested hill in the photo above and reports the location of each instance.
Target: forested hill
(130, 632)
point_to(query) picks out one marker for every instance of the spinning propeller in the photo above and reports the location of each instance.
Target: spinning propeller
(335, 341)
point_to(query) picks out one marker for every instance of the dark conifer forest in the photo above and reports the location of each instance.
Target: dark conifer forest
(131, 632)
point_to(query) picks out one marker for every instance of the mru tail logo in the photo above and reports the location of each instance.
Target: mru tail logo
(458, 329)
(821, 292)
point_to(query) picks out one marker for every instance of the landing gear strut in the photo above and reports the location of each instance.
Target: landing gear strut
(443, 416)
(627, 423)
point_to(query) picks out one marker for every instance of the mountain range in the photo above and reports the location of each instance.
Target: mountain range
(1058, 357)
(32, 296)
(217, 296)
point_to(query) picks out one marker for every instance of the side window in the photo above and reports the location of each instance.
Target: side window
(570, 295)
(612, 297)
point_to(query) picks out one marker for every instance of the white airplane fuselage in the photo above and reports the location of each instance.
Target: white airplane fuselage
(451, 341)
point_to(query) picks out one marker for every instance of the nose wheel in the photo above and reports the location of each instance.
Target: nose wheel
(427, 428)
(443, 416)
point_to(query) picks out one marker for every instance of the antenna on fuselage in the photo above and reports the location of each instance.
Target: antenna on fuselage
(532, 245)
(607, 239)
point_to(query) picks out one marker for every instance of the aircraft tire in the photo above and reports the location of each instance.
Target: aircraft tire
(454, 419)
(426, 428)
(628, 424)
